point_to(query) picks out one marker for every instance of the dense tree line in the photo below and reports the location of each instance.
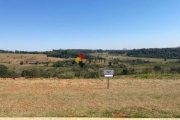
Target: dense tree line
(6, 51)
(72, 53)
(166, 53)
(23, 52)
(69, 53)
(30, 52)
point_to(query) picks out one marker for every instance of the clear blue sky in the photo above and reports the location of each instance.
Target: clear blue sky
(40, 25)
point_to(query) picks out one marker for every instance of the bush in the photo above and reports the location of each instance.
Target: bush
(157, 68)
(122, 66)
(21, 63)
(34, 73)
(3, 71)
(77, 74)
(63, 63)
(45, 74)
(91, 75)
(117, 71)
(146, 70)
(175, 69)
(66, 75)
(36, 62)
(124, 71)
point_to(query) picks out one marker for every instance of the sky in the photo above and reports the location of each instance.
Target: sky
(43, 25)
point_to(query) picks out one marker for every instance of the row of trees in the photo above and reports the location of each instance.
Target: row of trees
(23, 52)
(70, 53)
(165, 53)
(66, 52)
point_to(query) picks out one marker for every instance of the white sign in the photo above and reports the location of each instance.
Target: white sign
(108, 73)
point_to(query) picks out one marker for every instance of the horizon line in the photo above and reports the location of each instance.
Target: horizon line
(88, 49)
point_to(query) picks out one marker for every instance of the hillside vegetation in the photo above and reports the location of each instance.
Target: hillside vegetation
(59, 63)
(51, 84)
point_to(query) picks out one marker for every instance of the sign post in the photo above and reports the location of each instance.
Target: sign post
(108, 83)
(108, 74)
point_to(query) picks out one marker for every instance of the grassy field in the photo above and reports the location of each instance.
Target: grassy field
(12, 61)
(157, 98)
(16, 58)
(124, 57)
(29, 58)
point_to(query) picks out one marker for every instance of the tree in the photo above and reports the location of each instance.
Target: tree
(124, 71)
(179, 58)
(104, 60)
(157, 67)
(21, 63)
(47, 63)
(3, 71)
(165, 59)
(110, 63)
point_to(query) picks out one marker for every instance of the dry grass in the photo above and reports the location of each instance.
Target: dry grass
(124, 57)
(90, 97)
(12, 61)
(30, 58)
(158, 60)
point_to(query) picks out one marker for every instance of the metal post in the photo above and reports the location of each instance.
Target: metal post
(108, 83)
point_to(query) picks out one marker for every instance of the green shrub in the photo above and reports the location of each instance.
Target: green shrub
(91, 75)
(124, 71)
(45, 74)
(157, 68)
(122, 65)
(77, 74)
(175, 69)
(3, 71)
(63, 63)
(66, 75)
(21, 63)
(34, 73)
(146, 70)
(117, 71)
